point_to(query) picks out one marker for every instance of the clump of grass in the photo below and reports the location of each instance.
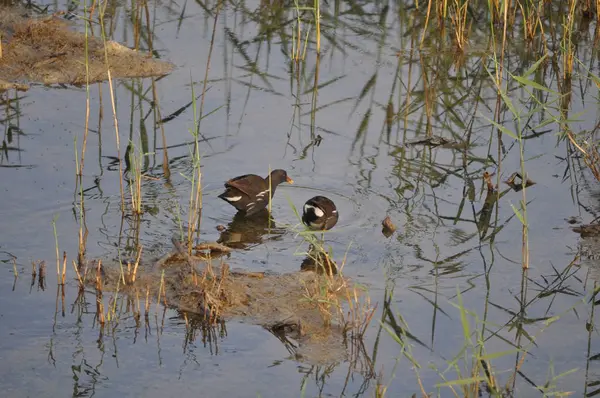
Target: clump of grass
(213, 292)
(461, 26)
(135, 159)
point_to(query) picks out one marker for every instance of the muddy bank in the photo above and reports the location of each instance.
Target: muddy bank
(48, 50)
(290, 305)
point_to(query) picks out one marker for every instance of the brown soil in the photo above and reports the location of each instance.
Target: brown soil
(46, 50)
(284, 304)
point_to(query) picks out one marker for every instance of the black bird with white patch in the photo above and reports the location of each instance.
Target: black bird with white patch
(250, 193)
(319, 213)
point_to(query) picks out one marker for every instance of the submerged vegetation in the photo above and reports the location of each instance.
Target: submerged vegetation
(448, 145)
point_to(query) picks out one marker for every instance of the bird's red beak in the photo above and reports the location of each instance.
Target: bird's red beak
(289, 180)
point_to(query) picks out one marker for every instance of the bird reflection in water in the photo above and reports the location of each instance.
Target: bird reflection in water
(318, 260)
(244, 232)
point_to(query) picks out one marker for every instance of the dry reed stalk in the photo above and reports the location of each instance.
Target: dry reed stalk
(147, 307)
(367, 315)
(427, 22)
(33, 275)
(42, 275)
(208, 272)
(459, 20)
(591, 157)
(87, 98)
(224, 274)
(79, 278)
(62, 298)
(57, 256)
(569, 56)
(99, 284)
(160, 290)
(64, 270)
(16, 274)
(269, 205)
(99, 299)
(137, 262)
(297, 55)
(491, 380)
(196, 197)
(317, 11)
(100, 308)
(80, 165)
(113, 104)
(138, 310)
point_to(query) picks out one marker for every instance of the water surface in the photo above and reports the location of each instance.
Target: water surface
(266, 113)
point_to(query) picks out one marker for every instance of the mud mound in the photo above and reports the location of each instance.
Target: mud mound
(47, 50)
(288, 305)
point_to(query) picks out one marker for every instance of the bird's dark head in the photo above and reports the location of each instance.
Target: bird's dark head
(278, 176)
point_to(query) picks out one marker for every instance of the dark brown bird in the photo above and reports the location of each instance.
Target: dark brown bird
(319, 213)
(250, 193)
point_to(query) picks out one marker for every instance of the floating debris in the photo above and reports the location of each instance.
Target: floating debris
(515, 181)
(435, 141)
(388, 227)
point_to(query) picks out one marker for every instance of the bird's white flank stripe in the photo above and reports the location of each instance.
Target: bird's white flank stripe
(233, 198)
(262, 193)
(318, 212)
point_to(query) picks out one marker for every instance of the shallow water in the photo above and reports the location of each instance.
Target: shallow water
(262, 119)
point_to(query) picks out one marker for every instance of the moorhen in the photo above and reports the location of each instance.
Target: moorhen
(319, 213)
(250, 193)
